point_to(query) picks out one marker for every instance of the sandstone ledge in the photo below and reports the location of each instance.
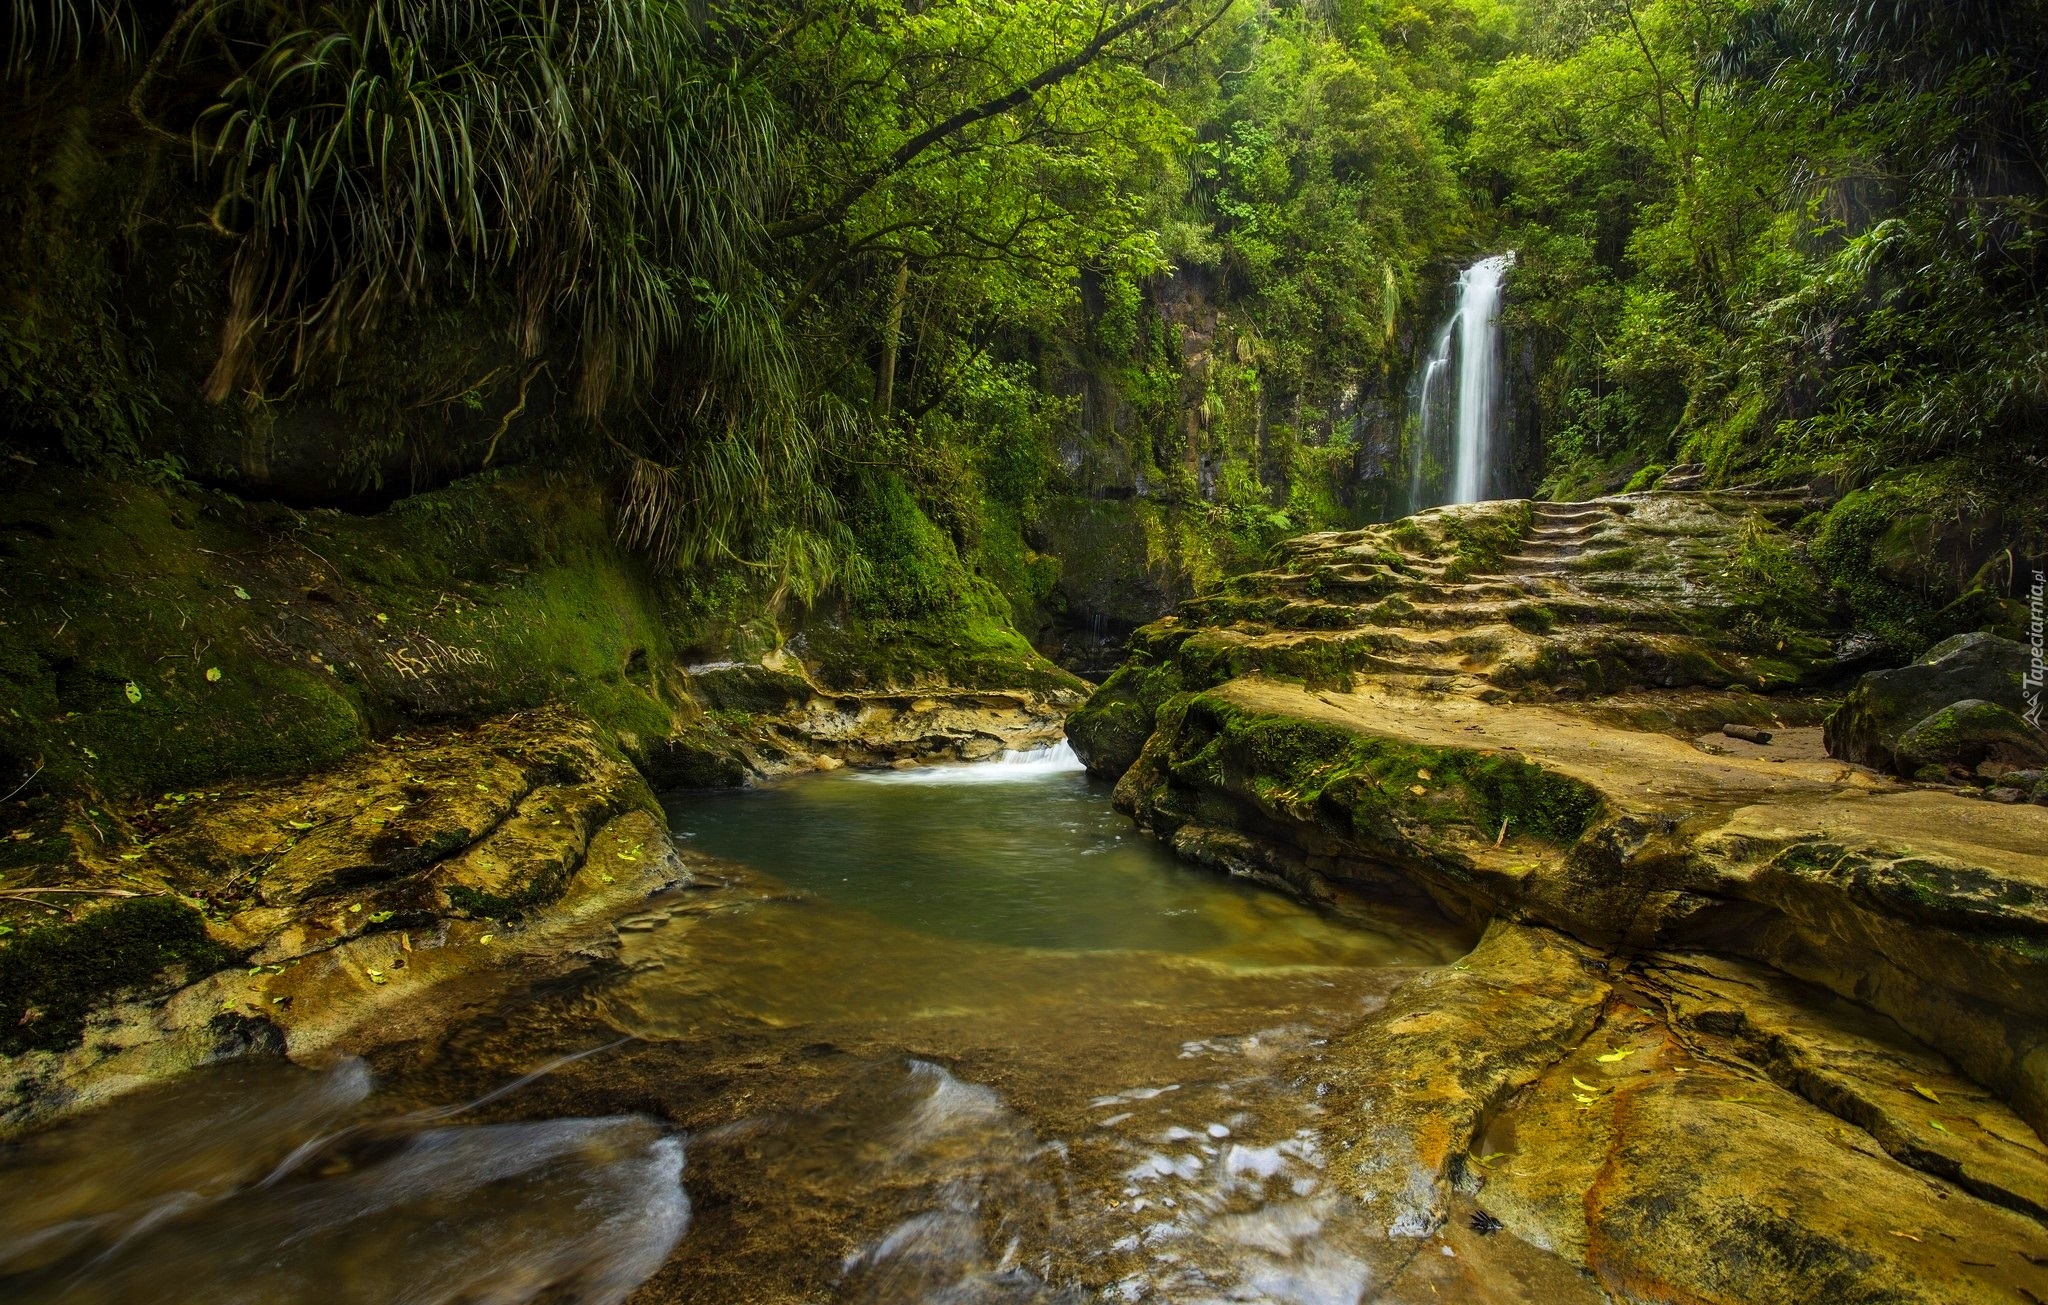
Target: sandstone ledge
(1747, 1024)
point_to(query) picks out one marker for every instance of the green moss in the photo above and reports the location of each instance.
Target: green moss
(51, 978)
(1770, 576)
(1875, 550)
(1483, 539)
(480, 905)
(1365, 782)
(1110, 729)
(261, 641)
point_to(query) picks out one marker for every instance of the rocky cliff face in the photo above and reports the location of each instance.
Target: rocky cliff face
(1749, 1022)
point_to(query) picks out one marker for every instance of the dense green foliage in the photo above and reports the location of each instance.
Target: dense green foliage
(886, 301)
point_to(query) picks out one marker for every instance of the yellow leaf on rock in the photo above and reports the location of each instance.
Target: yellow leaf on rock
(1583, 1087)
(1417, 790)
(1928, 1093)
(486, 938)
(1613, 1056)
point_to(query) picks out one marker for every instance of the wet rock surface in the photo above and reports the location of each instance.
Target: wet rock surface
(776, 718)
(1751, 1023)
(346, 897)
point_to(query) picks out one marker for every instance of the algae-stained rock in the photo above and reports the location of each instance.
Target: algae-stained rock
(1713, 1190)
(1957, 707)
(1415, 1081)
(371, 829)
(1920, 903)
(1861, 1068)
(52, 977)
(488, 827)
(1726, 1135)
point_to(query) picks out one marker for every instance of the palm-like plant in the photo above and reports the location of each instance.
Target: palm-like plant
(53, 32)
(582, 156)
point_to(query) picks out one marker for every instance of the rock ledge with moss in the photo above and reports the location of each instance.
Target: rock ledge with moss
(1749, 1022)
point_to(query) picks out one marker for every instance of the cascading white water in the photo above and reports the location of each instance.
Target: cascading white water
(1454, 425)
(1011, 766)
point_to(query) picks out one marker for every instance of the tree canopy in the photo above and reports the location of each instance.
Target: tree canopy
(795, 272)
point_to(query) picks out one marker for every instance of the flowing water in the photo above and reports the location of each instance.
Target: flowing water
(1451, 459)
(956, 1034)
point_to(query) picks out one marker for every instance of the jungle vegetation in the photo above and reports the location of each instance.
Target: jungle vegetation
(840, 290)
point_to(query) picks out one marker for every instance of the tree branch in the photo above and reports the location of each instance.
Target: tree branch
(909, 150)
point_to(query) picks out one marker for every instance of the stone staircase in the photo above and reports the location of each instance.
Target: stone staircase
(1536, 601)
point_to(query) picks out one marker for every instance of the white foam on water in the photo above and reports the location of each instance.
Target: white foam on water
(947, 1105)
(1011, 767)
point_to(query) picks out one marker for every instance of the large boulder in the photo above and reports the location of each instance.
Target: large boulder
(1956, 708)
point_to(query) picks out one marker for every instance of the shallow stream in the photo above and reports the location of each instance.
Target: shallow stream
(953, 1034)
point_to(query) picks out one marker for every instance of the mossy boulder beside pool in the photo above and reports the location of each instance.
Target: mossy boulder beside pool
(1956, 709)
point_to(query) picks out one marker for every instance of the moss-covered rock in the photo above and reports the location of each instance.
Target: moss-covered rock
(169, 637)
(1955, 708)
(52, 976)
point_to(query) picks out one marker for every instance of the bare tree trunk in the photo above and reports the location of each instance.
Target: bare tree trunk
(885, 383)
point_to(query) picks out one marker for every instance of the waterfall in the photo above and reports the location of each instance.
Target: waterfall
(1452, 428)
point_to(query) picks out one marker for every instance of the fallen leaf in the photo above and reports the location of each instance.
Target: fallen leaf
(132, 691)
(1422, 774)
(1613, 1056)
(355, 908)
(213, 675)
(1583, 1087)
(1582, 1098)
(240, 593)
(399, 807)
(1936, 1125)
(485, 938)
(1928, 1093)
(1417, 790)
(1908, 1236)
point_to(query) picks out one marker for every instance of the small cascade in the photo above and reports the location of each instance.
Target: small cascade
(1013, 765)
(1451, 456)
